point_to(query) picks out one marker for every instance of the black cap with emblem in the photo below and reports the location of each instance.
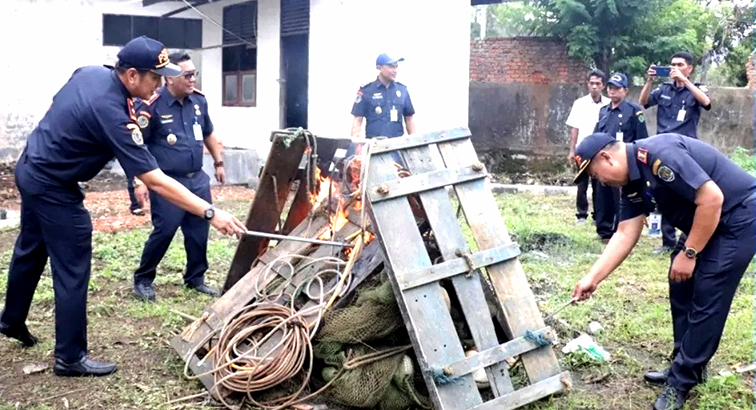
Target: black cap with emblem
(587, 149)
(144, 53)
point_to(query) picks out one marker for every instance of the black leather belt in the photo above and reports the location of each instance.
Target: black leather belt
(187, 175)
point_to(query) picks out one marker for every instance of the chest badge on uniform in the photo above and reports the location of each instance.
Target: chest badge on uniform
(377, 96)
(398, 93)
(666, 174)
(197, 110)
(378, 110)
(171, 138)
(136, 135)
(143, 121)
(643, 155)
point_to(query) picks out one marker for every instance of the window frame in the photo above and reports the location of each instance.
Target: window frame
(239, 89)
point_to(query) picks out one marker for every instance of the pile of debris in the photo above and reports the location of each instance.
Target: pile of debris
(370, 296)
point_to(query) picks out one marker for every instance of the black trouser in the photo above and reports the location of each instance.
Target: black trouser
(582, 196)
(700, 305)
(669, 234)
(134, 205)
(166, 219)
(606, 209)
(54, 224)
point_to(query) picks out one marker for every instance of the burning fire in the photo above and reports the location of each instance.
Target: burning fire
(340, 212)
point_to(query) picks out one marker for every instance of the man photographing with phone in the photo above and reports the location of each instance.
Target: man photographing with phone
(680, 102)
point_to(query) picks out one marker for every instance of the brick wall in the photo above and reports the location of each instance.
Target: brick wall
(532, 60)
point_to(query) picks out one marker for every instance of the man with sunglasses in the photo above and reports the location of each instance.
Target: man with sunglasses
(176, 125)
(91, 120)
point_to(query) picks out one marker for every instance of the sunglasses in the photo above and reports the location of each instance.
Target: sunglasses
(189, 75)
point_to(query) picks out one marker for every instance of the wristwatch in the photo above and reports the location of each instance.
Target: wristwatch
(691, 252)
(209, 213)
(218, 164)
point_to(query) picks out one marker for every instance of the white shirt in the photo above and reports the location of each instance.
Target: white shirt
(585, 114)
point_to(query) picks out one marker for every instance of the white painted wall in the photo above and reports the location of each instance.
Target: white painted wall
(44, 41)
(344, 42)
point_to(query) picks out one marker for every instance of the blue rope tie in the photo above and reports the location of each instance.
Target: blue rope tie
(441, 378)
(538, 339)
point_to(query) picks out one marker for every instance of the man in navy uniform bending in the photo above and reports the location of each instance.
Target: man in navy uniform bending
(710, 199)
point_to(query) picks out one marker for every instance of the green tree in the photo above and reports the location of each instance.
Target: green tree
(629, 35)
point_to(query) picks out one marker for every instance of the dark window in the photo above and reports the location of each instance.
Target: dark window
(117, 30)
(240, 54)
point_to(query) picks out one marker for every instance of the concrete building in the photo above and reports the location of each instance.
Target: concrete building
(276, 63)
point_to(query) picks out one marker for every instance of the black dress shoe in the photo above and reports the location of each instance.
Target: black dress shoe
(204, 289)
(145, 292)
(657, 377)
(671, 399)
(84, 367)
(19, 333)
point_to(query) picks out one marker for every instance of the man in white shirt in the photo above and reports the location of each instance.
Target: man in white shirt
(583, 118)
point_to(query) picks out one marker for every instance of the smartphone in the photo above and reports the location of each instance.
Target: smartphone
(662, 71)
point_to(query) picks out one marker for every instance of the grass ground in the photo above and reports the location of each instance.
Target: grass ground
(631, 305)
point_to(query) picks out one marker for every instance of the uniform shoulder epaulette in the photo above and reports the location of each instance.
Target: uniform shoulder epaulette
(152, 99)
(398, 83)
(197, 91)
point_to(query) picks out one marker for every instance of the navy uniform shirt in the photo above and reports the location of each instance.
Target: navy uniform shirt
(175, 131)
(627, 118)
(383, 108)
(92, 119)
(672, 167)
(679, 110)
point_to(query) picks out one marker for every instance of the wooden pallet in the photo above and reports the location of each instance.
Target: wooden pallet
(414, 277)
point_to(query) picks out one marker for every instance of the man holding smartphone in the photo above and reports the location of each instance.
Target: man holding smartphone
(680, 101)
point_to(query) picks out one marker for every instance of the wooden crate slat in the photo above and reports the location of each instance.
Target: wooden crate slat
(418, 140)
(282, 164)
(458, 266)
(451, 240)
(497, 354)
(529, 394)
(509, 282)
(423, 182)
(428, 322)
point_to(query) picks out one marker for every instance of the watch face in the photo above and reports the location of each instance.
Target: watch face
(209, 213)
(691, 253)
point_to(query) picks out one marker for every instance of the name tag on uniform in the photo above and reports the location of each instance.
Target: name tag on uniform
(681, 115)
(394, 115)
(197, 132)
(620, 136)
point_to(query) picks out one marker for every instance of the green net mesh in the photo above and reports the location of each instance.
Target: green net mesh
(385, 384)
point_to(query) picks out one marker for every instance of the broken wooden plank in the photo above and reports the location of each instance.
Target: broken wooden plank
(265, 212)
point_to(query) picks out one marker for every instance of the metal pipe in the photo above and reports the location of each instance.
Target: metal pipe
(297, 239)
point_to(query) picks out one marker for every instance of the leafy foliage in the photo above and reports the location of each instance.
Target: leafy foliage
(630, 35)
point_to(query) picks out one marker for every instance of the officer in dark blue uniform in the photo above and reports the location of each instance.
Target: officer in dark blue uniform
(176, 125)
(92, 119)
(383, 103)
(710, 199)
(625, 121)
(680, 102)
